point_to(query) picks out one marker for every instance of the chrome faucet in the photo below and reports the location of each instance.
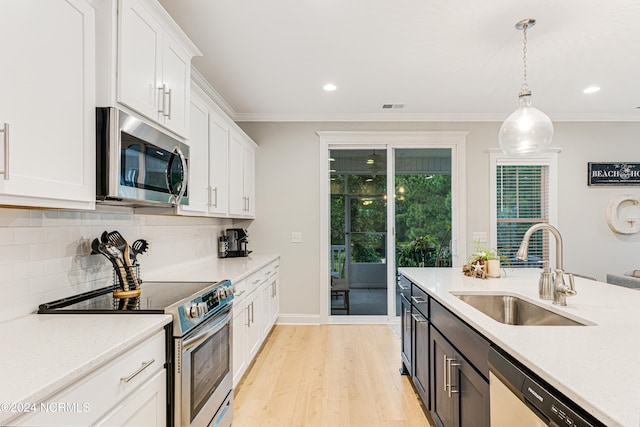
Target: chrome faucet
(559, 289)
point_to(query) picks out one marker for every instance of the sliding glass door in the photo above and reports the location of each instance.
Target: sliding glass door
(371, 233)
(358, 216)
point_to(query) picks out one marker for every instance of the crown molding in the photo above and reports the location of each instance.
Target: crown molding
(203, 84)
(427, 117)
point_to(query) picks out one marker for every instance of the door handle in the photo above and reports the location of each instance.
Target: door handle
(418, 300)
(161, 100)
(445, 379)
(170, 102)
(418, 318)
(144, 366)
(452, 362)
(5, 134)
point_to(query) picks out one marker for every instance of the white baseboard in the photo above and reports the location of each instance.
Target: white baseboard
(314, 319)
(298, 319)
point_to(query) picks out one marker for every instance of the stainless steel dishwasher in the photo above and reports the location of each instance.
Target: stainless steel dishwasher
(520, 398)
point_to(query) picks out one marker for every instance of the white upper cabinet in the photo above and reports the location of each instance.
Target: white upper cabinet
(219, 131)
(249, 178)
(47, 106)
(242, 182)
(139, 59)
(222, 167)
(198, 181)
(146, 63)
(208, 171)
(237, 205)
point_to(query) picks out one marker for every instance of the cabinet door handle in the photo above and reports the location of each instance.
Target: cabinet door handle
(209, 196)
(418, 300)
(445, 366)
(162, 90)
(5, 132)
(144, 366)
(452, 362)
(215, 198)
(418, 318)
(248, 317)
(253, 320)
(239, 294)
(170, 102)
(404, 288)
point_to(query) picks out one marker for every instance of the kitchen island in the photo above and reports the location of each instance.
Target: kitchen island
(596, 366)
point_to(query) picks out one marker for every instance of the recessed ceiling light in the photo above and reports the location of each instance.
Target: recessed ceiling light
(329, 87)
(591, 89)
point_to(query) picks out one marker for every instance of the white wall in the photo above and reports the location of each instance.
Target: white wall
(45, 255)
(287, 190)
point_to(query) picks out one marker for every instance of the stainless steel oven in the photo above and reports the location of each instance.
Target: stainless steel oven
(203, 374)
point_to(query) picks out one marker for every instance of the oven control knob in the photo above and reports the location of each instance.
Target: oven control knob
(202, 308)
(193, 311)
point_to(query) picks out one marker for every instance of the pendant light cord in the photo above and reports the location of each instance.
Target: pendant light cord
(524, 90)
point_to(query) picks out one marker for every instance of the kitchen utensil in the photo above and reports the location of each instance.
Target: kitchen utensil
(116, 239)
(114, 255)
(138, 247)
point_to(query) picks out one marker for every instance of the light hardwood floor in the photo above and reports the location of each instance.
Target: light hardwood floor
(328, 375)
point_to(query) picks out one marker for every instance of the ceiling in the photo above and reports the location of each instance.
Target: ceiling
(444, 60)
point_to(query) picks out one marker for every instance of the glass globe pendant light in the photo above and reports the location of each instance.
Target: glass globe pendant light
(527, 131)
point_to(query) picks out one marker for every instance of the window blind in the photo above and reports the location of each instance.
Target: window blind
(522, 201)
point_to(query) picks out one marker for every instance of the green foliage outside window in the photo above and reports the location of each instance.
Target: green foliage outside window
(423, 217)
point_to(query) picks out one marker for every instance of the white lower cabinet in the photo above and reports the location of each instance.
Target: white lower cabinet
(127, 391)
(147, 407)
(240, 320)
(255, 311)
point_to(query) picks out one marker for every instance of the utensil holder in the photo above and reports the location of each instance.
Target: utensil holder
(120, 294)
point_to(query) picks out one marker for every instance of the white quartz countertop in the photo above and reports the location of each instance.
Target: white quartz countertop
(597, 366)
(43, 353)
(212, 269)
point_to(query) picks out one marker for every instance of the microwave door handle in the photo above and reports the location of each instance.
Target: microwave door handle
(183, 188)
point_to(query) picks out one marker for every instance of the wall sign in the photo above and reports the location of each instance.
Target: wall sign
(618, 174)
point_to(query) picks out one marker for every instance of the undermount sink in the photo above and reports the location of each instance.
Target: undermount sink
(512, 310)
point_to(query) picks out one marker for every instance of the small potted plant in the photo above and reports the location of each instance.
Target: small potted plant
(484, 262)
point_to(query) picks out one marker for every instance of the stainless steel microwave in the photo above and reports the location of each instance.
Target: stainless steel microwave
(136, 164)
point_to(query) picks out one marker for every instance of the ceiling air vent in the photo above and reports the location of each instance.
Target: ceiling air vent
(392, 106)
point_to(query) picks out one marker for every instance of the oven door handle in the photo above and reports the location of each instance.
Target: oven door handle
(202, 337)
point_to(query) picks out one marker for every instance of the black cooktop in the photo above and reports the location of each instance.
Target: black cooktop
(154, 297)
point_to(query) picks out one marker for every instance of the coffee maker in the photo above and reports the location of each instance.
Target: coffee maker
(233, 243)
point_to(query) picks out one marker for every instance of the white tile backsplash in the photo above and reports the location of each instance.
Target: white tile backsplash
(46, 255)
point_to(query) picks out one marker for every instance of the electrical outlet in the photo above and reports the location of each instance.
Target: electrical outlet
(296, 237)
(480, 236)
